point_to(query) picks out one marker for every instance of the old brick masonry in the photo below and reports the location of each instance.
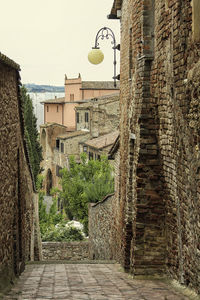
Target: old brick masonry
(157, 227)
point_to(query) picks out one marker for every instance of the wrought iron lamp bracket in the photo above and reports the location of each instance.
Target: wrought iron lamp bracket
(107, 33)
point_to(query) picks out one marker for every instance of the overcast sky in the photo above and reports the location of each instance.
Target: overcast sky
(50, 38)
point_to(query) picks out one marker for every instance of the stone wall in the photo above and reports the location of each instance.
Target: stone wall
(73, 251)
(19, 227)
(100, 229)
(159, 215)
(48, 136)
(103, 115)
(104, 217)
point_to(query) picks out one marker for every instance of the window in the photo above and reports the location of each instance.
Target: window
(86, 117)
(57, 108)
(71, 97)
(77, 117)
(91, 155)
(84, 148)
(57, 144)
(58, 168)
(47, 108)
(62, 147)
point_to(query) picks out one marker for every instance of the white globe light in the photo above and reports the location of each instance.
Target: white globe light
(95, 56)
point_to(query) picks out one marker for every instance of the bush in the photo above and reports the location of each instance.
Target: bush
(83, 183)
(61, 233)
(53, 224)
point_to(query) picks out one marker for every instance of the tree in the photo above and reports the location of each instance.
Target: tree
(31, 133)
(85, 182)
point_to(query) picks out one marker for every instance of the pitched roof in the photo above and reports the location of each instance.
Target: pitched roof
(103, 141)
(52, 124)
(99, 85)
(55, 100)
(9, 62)
(114, 148)
(99, 100)
(117, 4)
(71, 134)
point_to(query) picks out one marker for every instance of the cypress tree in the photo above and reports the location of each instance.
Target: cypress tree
(31, 133)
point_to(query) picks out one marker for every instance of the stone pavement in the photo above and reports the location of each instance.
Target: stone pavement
(86, 281)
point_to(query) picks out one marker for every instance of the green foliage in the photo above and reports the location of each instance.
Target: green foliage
(84, 182)
(31, 133)
(61, 233)
(52, 224)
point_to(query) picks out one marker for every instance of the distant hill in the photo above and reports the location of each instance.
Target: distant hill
(36, 88)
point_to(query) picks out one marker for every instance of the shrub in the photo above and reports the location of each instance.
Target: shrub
(61, 233)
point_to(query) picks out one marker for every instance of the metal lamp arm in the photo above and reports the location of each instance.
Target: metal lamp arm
(106, 32)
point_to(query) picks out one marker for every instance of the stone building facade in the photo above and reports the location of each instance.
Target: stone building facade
(62, 110)
(59, 143)
(100, 115)
(159, 211)
(19, 224)
(48, 140)
(99, 146)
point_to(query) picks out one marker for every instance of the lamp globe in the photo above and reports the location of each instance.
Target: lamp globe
(95, 56)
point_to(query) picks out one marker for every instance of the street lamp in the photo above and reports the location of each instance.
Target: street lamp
(96, 56)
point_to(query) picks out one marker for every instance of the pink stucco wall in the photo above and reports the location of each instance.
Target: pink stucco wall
(88, 94)
(53, 113)
(66, 113)
(70, 118)
(72, 86)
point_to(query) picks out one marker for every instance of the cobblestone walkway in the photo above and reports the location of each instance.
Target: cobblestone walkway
(86, 281)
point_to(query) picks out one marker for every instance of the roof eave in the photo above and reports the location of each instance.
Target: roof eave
(117, 5)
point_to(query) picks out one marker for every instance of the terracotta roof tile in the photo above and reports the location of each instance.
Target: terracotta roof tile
(99, 100)
(100, 85)
(103, 141)
(72, 134)
(55, 100)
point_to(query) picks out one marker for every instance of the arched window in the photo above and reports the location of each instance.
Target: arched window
(49, 182)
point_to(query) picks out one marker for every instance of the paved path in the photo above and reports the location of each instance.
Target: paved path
(86, 281)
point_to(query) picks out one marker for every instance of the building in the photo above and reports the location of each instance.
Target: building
(62, 110)
(48, 140)
(157, 225)
(99, 115)
(99, 146)
(19, 223)
(58, 143)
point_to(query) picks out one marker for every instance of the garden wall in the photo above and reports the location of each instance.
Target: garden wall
(100, 233)
(65, 250)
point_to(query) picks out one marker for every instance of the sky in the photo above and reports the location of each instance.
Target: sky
(51, 38)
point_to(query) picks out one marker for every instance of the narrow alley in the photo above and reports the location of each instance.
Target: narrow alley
(86, 281)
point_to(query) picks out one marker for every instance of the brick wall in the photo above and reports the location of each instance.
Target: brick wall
(159, 215)
(18, 223)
